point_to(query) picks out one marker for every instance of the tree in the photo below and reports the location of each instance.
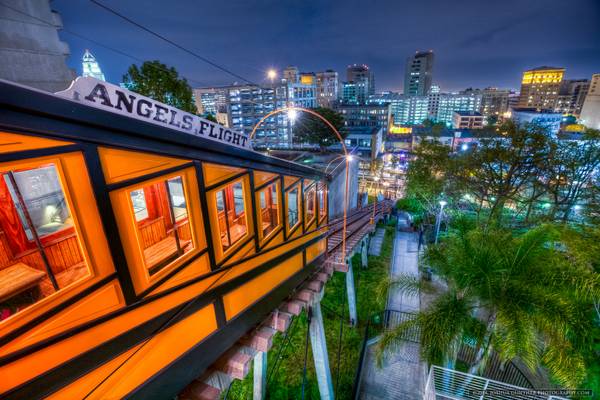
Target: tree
(210, 117)
(500, 168)
(436, 127)
(311, 129)
(491, 119)
(570, 169)
(521, 296)
(161, 83)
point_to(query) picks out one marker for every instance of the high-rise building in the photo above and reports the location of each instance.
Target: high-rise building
(212, 101)
(540, 87)
(90, 66)
(361, 73)
(494, 101)
(404, 110)
(354, 92)
(303, 92)
(241, 107)
(451, 102)
(418, 74)
(327, 88)
(365, 115)
(291, 74)
(571, 96)
(32, 54)
(590, 112)
(413, 110)
(247, 104)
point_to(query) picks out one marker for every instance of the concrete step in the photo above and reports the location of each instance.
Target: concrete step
(292, 307)
(199, 390)
(279, 320)
(315, 285)
(322, 277)
(216, 379)
(305, 296)
(234, 363)
(260, 339)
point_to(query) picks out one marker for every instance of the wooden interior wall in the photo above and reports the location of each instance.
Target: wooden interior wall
(62, 254)
(152, 231)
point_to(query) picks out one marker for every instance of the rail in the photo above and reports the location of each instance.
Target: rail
(358, 220)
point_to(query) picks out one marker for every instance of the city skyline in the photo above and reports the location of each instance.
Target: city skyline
(490, 51)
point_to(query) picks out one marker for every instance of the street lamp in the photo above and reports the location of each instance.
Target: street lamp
(292, 112)
(272, 74)
(439, 219)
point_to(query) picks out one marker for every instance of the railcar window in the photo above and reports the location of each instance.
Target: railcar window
(269, 211)
(162, 221)
(310, 202)
(293, 204)
(232, 215)
(322, 195)
(40, 251)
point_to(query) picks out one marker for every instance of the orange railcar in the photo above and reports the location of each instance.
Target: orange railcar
(132, 255)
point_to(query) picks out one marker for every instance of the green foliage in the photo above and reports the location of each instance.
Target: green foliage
(311, 129)
(210, 117)
(436, 127)
(522, 295)
(428, 176)
(516, 172)
(161, 83)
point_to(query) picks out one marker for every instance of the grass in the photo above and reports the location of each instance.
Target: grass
(286, 374)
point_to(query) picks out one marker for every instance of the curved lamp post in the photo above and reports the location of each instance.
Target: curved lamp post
(347, 156)
(438, 221)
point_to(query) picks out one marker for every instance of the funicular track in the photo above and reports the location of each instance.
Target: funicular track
(237, 361)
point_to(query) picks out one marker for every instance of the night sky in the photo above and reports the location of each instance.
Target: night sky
(477, 43)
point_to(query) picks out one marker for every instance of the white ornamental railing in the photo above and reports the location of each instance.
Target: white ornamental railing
(449, 384)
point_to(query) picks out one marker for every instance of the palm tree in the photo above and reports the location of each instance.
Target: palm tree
(522, 296)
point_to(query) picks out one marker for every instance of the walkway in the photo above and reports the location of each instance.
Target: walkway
(376, 242)
(402, 375)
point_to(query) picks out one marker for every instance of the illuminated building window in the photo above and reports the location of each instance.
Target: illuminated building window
(322, 197)
(40, 248)
(162, 221)
(293, 207)
(232, 215)
(269, 210)
(310, 202)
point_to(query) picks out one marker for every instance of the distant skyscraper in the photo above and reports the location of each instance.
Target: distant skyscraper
(540, 87)
(494, 102)
(572, 95)
(590, 112)
(354, 92)
(90, 66)
(327, 88)
(291, 74)
(418, 74)
(448, 103)
(359, 85)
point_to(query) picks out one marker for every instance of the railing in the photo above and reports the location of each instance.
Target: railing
(377, 325)
(496, 369)
(449, 384)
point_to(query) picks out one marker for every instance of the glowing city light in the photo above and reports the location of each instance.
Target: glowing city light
(292, 114)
